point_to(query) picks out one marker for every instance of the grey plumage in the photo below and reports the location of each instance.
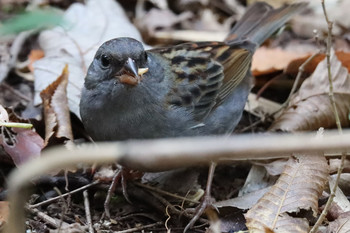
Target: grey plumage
(190, 89)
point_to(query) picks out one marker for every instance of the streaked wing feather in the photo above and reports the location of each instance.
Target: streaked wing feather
(236, 67)
(204, 74)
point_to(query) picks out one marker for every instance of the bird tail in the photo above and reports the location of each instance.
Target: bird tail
(260, 21)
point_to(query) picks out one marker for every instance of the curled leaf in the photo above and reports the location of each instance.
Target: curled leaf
(310, 108)
(56, 111)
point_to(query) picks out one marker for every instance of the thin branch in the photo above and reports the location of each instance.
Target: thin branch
(64, 195)
(336, 115)
(165, 154)
(140, 228)
(110, 192)
(46, 218)
(296, 82)
(14, 51)
(165, 193)
(87, 211)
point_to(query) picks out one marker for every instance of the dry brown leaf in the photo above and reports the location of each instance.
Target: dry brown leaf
(267, 60)
(56, 111)
(20, 144)
(310, 108)
(293, 67)
(4, 212)
(299, 187)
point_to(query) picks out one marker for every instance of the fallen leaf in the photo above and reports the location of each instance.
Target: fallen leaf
(4, 212)
(90, 25)
(299, 187)
(340, 225)
(340, 203)
(335, 163)
(293, 67)
(257, 179)
(20, 144)
(244, 202)
(34, 55)
(56, 112)
(310, 108)
(267, 60)
(274, 167)
(150, 22)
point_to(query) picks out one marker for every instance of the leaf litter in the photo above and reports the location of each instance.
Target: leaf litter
(75, 45)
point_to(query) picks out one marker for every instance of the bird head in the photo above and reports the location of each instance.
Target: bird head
(123, 59)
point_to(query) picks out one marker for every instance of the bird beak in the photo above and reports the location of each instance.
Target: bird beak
(131, 67)
(133, 74)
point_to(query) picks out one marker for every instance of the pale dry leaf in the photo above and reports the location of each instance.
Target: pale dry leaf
(335, 163)
(339, 199)
(305, 25)
(56, 112)
(4, 116)
(274, 3)
(299, 187)
(274, 167)
(150, 22)
(243, 202)
(340, 225)
(261, 106)
(344, 183)
(310, 108)
(89, 26)
(257, 179)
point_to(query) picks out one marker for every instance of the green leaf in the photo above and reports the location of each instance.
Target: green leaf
(36, 19)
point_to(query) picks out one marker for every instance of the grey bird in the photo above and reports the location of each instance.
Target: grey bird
(190, 89)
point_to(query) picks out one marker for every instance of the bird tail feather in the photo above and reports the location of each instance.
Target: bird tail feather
(260, 21)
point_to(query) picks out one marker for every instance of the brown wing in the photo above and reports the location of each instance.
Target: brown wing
(204, 74)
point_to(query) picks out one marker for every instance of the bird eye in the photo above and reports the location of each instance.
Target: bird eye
(105, 61)
(145, 54)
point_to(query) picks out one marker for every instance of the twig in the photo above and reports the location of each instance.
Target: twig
(17, 93)
(87, 211)
(165, 154)
(64, 195)
(173, 208)
(165, 193)
(137, 229)
(297, 79)
(336, 115)
(296, 82)
(46, 218)
(64, 208)
(111, 189)
(14, 51)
